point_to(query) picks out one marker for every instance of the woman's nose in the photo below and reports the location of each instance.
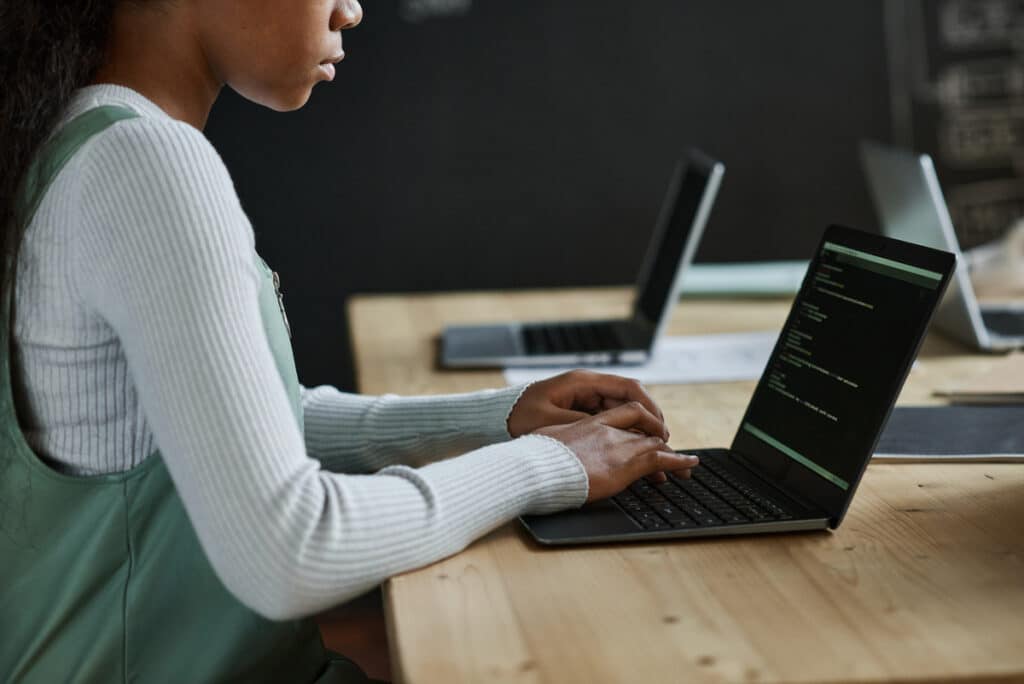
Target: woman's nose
(347, 15)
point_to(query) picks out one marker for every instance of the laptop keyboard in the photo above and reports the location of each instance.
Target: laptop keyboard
(713, 496)
(562, 338)
(1007, 323)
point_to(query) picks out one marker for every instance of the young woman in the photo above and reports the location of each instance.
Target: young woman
(172, 502)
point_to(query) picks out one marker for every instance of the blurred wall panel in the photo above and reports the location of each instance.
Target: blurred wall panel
(958, 94)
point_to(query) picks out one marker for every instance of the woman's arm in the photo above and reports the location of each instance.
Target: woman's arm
(355, 433)
(351, 432)
(164, 256)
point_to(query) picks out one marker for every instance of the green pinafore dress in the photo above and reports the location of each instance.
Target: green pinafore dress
(102, 578)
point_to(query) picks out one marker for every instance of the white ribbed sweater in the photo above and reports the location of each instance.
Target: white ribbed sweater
(138, 329)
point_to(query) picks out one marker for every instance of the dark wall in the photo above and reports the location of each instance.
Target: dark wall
(516, 144)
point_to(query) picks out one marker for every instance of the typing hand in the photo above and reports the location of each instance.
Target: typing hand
(618, 447)
(578, 394)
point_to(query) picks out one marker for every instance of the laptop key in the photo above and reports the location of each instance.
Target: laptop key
(676, 516)
(711, 497)
(722, 512)
(759, 498)
(534, 341)
(669, 488)
(698, 512)
(588, 340)
(571, 335)
(605, 337)
(755, 514)
(552, 340)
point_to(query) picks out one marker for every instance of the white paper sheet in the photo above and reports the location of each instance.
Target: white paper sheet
(680, 360)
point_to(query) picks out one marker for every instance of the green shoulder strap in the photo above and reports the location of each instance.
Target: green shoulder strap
(59, 149)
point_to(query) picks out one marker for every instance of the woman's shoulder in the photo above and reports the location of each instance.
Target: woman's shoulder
(149, 128)
(143, 172)
(155, 149)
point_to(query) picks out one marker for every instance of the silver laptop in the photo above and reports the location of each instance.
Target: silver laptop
(685, 211)
(906, 192)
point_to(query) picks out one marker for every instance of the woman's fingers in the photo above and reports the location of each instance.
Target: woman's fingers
(619, 447)
(685, 473)
(560, 416)
(634, 416)
(666, 460)
(602, 391)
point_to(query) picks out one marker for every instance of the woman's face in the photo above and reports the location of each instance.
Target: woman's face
(274, 51)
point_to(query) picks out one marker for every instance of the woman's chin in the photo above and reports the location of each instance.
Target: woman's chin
(290, 101)
(280, 100)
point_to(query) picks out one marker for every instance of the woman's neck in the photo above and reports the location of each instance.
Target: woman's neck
(155, 51)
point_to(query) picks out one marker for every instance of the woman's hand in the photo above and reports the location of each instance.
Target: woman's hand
(568, 397)
(610, 423)
(618, 447)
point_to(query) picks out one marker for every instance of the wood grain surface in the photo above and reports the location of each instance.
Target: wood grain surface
(924, 581)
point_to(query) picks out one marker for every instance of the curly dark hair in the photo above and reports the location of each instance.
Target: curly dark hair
(48, 48)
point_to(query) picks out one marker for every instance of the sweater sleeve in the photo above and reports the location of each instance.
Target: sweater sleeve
(164, 255)
(356, 433)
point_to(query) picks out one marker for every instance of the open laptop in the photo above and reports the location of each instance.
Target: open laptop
(911, 207)
(685, 211)
(815, 417)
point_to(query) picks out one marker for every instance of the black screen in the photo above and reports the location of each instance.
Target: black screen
(837, 367)
(666, 251)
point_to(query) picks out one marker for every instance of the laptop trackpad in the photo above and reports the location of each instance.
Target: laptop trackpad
(598, 519)
(482, 341)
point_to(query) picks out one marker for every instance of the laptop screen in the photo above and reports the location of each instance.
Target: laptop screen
(677, 235)
(841, 359)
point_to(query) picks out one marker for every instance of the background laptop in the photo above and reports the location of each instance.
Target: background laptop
(691, 194)
(910, 205)
(815, 417)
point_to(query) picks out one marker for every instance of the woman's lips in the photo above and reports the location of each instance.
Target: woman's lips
(327, 66)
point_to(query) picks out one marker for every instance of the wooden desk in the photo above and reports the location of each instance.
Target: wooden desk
(923, 581)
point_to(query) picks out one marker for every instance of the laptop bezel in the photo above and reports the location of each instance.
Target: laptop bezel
(712, 172)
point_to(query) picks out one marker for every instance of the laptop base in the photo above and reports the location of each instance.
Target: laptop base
(603, 521)
(533, 344)
(1004, 324)
(717, 501)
